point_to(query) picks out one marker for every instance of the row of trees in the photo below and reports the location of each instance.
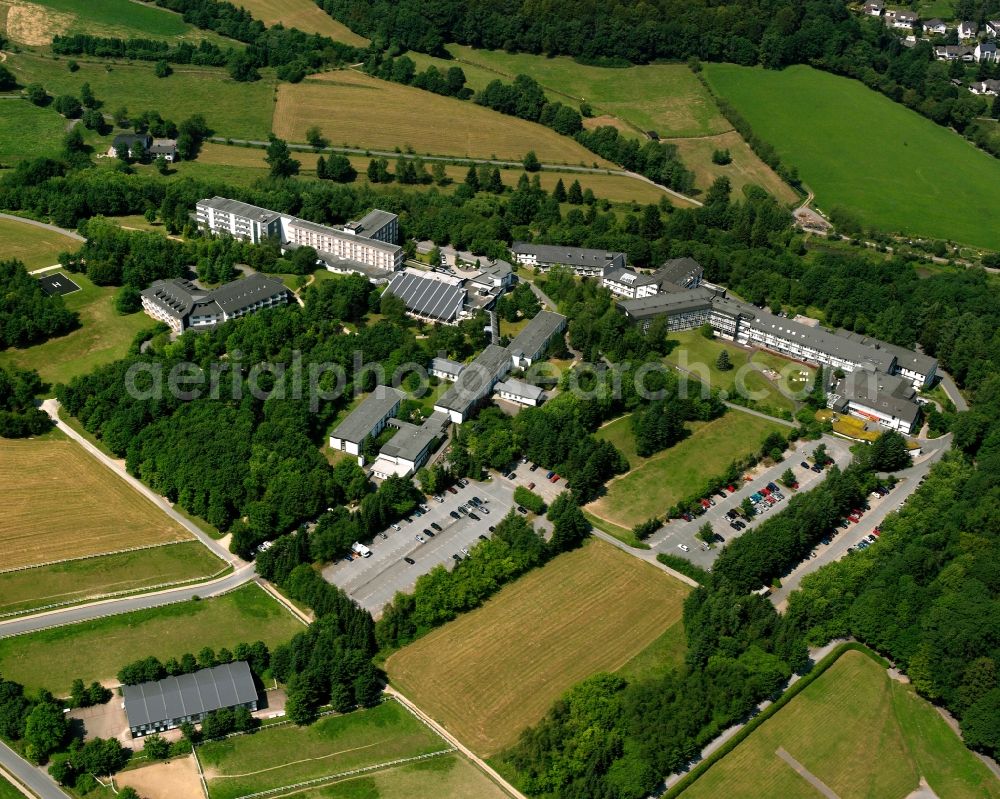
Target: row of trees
(150, 669)
(27, 314)
(205, 53)
(19, 418)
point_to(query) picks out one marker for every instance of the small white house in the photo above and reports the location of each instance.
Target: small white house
(520, 392)
(967, 30)
(935, 27)
(993, 27)
(874, 8)
(986, 51)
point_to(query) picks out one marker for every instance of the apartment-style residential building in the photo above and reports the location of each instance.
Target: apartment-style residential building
(222, 216)
(585, 262)
(474, 384)
(349, 247)
(411, 446)
(368, 419)
(534, 339)
(674, 275)
(182, 305)
(889, 400)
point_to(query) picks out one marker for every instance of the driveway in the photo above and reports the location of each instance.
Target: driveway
(677, 531)
(373, 581)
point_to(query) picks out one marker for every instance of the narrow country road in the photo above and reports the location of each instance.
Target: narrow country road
(34, 779)
(51, 407)
(949, 387)
(54, 228)
(462, 160)
(648, 555)
(482, 764)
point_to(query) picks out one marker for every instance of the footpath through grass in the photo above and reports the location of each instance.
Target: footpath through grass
(492, 672)
(96, 650)
(655, 484)
(80, 580)
(887, 162)
(861, 734)
(103, 336)
(288, 754)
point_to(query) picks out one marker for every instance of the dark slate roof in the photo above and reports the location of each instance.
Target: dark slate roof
(536, 333)
(239, 294)
(519, 388)
(679, 271)
(372, 410)
(130, 140)
(199, 692)
(177, 297)
(568, 256)
(411, 439)
(427, 296)
(669, 303)
(447, 366)
(892, 395)
(476, 379)
(370, 223)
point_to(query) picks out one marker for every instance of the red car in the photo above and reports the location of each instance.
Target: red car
(731, 489)
(531, 486)
(451, 490)
(877, 532)
(555, 478)
(704, 503)
(854, 518)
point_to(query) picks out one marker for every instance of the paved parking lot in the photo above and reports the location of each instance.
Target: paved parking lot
(523, 476)
(678, 531)
(372, 582)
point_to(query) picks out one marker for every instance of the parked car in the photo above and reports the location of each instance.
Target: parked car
(428, 533)
(438, 498)
(687, 516)
(531, 486)
(451, 490)
(548, 475)
(511, 476)
(684, 547)
(465, 551)
(420, 538)
(734, 525)
(483, 537)
(463, 482)
(872, 539)
(817, 468)
(534, 467)
(417, 512)
(424, 507)
(731, 489)
(456, 557)
(396, 527)
(436, 526)
(476, 501)
(409, 560)
(454, 515)
(473, 517)
(804, 465)
(522, 510)
(554, 478)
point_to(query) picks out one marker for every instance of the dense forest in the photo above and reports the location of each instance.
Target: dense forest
(27, 314)
(19, 418)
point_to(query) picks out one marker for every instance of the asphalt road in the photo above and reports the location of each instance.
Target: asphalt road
(909, 481)
(34, 779)
(678, 531)
(373, 581)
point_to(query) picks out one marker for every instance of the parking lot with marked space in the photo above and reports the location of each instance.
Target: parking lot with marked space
(678, 531)
(57, 284)
(373, 581)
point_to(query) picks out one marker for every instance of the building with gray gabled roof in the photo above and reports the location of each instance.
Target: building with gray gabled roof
(168, 703)
(535, 337)
(182, 305)
(888, 400)
(583, 261)
(368, 419)
(475, 383)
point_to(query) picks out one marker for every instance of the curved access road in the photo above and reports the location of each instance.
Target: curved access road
(51, 407)
(54, 228)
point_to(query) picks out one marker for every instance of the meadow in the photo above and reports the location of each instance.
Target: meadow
(450, 776)
(28, 131)
(103, 336)
(357, 110)
(304, 15)
(886, 163)
(33, 246)
(8, 791)
(96, 650)
(92, 578)
(860, 733)
(289, 754)
(237, 110)
(656, 483)
(59, 502)
(36, 23)
(492, 672)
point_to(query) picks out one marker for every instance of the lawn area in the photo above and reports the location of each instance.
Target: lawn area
(96, 650)
(8, 791)
(450, 776)
(697, 355)
(492, 672)
(887, 164)
(655, 484)
(34, 246)
(36, 23)
(667, 98)
(240, 110)
(744, 170)
(665, 653)
(27, 131)
(350, 108)
(104, 335)
(861, 734)
(80, 580)
(59, 502)
(290, 754)
(304, 15)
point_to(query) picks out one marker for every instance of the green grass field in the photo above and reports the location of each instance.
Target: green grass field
(861, 734)
(450, 776)
(888, 161)
(103, 336)
(288, 754)
(81, 580)
(33, 246)
(27, 131)
(239, 110)
(697, 355)
(654, 484)
(665, 653)
(8, 791)
(35, 23)
(96, 650)
(666, 98)
(496, 670)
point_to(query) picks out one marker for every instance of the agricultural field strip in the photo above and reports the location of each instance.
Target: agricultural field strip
(94, 555)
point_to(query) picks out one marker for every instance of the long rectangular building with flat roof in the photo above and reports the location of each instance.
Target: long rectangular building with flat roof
(368, 419)
(220, 215)
(535, 337)
(581, 260)
(168, 703)
(475, 383)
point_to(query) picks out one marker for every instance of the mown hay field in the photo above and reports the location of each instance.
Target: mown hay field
(859, 733)
(59, 502)
(304, 15)
(33, 246)
(357, 110)
(492, 672)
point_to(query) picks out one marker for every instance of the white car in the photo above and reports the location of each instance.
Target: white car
(438, 498)
(684, 547)
(420, 538)
(396, 527)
